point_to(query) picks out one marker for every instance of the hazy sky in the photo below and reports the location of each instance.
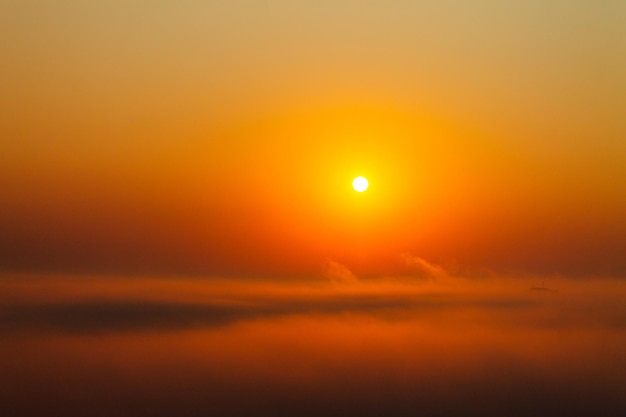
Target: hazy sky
(220, 137)
(179, 234)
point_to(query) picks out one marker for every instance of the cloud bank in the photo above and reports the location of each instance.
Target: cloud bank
(104, 346)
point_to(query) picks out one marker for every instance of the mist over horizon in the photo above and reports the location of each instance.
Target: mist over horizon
(392, 346)
(312, 208)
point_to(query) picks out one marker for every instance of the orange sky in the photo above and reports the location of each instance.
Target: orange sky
(222, 137)
(179, 234)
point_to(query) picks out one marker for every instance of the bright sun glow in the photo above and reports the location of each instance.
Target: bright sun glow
(360, 184)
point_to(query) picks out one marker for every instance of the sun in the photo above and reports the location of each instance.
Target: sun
(360, 184)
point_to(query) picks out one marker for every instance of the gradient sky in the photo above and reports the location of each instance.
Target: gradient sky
(221, 137)
(179, 234)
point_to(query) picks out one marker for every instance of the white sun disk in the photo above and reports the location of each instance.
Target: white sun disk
(360, 184)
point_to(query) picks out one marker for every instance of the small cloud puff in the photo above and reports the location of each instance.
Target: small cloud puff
(339, 273)
(421, 268)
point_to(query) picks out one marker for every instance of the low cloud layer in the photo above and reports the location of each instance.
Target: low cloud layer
(101, 306)
(91, 346)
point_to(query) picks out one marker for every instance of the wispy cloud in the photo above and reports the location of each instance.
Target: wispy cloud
(339, 273)
(421, 268)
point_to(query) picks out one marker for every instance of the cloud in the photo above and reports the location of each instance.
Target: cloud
(86, 317)
(339, 273)
(421, 268)
(123, 316)
(97, 307)
(381, 347)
